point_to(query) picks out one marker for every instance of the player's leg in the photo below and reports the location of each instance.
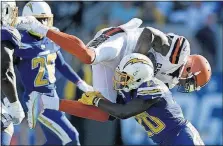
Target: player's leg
(57, 129)
(102, 81)
(188, 136)
(7, 128)
(6, 133)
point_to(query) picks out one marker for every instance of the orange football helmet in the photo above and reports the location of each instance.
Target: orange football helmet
(195, 74)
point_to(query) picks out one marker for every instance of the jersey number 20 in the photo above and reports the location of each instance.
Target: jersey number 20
(45, 64)
(151, 124)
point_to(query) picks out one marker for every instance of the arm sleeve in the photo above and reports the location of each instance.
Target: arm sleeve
(8, 78)
(65, 69)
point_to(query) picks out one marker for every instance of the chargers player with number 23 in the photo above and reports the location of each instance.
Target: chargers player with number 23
(37, 60)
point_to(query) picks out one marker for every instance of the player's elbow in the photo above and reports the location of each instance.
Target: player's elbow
(89, 56)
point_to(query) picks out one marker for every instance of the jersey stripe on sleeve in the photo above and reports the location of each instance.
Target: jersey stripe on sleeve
(175, 54)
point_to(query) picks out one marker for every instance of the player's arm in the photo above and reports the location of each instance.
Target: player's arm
(73, 45)
(84, 111)
(121, 111)
(8, 78)
(128, 110)
(153, 38)
(66, 70)
(71, 107)
(8, 82)
(105, 51)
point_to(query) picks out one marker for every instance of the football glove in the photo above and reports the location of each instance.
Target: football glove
(90, 98)
(30, 23)
(82, 85)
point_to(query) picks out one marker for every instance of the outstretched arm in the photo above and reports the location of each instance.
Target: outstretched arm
(84, 111)
(134, 107)
(74, 108)
(73, 45)
(121, 111)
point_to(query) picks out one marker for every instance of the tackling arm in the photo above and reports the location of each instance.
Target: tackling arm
(8, 78)
(84, 111)
(128, 110)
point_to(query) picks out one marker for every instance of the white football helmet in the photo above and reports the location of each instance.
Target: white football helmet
(40, 10)
(9, 12)
(133, 70)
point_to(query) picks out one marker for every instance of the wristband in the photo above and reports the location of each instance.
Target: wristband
(96, 101)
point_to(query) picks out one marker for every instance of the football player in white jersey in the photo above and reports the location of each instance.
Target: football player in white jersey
(169, 52)
(11, 109)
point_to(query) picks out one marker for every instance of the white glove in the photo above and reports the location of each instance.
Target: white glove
(30, 23)
(82, 85)
(16, 111)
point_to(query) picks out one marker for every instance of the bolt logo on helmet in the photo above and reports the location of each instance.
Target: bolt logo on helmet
(132, 71)
(136, 60)
(40, 10)
(30, 6)
(195, 75)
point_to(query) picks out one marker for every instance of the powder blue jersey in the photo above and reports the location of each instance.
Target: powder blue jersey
(37, 63)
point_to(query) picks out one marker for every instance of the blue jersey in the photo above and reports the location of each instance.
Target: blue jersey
(11, 34)
(37, 63)
(162, 119)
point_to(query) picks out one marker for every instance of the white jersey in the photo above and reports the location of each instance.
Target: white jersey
(112, 44)
(168, 67)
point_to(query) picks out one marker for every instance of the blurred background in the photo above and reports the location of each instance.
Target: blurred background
(199, 22)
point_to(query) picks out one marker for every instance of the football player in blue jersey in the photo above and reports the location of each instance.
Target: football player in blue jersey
(149, 101)
(37, 59)
(11, 109)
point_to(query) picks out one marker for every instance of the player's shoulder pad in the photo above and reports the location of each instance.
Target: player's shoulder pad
(10, 34)
(149, 88)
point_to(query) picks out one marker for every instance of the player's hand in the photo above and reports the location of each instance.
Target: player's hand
(30, 23)
(82, 85)
(88, 98)
(16, 111)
